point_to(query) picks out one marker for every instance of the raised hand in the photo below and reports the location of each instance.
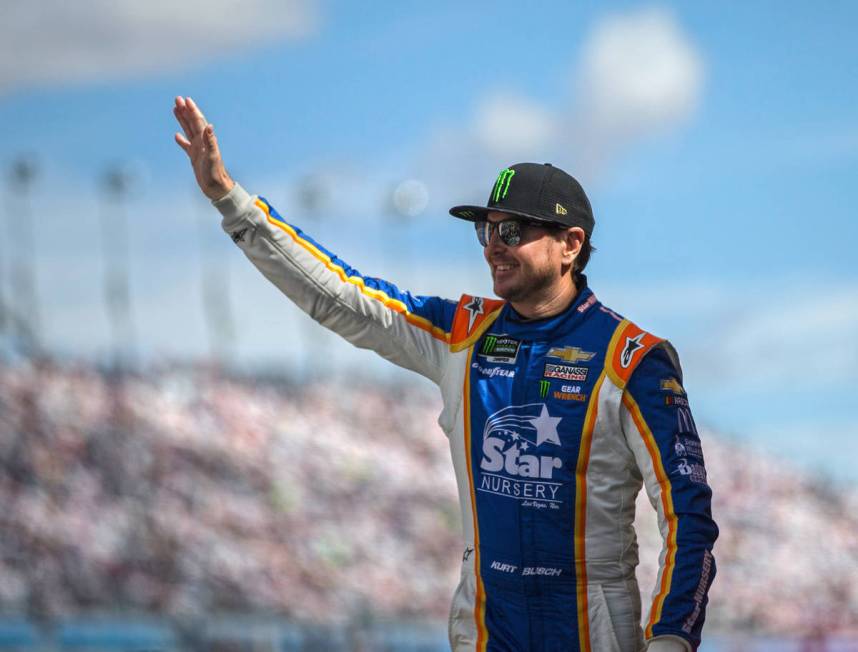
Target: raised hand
(200, 144)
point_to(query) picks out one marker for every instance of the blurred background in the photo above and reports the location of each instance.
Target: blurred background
(187, 462)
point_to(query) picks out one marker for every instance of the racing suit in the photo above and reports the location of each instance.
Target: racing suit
(554, 425)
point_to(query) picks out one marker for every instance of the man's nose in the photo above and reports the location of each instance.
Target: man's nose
(495, 241)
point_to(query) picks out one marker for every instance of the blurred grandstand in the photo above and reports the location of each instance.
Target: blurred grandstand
(197, 509)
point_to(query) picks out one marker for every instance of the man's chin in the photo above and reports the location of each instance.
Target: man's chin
(505, 291)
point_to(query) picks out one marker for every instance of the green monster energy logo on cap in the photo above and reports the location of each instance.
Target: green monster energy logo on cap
(502, 184)
(544, 386)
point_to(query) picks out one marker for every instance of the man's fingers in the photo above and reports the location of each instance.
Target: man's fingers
(195, 116)
(183, 122)
(187, 118)
(183, 142)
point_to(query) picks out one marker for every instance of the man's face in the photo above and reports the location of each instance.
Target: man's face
(530, 270)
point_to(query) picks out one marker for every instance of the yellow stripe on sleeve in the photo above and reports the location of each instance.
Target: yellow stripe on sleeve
(389, 302)
(667, 506)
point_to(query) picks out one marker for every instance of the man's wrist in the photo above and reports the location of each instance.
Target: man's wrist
(234, 205)
(218, 191)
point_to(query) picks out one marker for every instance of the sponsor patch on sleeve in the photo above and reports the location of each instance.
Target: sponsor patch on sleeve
(672, 385)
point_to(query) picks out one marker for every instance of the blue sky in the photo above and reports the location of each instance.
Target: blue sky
(718, 144)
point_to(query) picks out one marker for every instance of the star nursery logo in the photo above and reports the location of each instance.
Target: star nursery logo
(517, 461)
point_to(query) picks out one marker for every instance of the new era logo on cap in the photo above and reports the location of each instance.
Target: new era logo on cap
(559, 210)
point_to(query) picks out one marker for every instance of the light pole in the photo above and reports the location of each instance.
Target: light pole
(20, 311)
(216, 300)
(117, 297)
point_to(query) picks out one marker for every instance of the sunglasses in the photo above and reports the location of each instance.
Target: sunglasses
(509, 231)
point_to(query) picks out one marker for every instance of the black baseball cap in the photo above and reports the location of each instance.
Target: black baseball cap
(539, 192)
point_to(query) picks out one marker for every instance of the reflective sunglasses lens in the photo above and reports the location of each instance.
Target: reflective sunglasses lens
(510, 232)
(482, 235)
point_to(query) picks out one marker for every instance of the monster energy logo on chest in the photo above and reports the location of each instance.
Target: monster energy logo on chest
(502, 184)
(544, 386)
(499, 348)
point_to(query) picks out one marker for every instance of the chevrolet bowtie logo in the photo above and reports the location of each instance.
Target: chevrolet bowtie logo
(570, 354)
(672, 385)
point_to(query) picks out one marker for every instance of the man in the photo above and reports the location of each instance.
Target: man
(557, 410)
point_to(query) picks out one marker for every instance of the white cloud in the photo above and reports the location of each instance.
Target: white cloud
(810, 327)
(54, 41)
(512, 126)
(638, 72)
(766, 336)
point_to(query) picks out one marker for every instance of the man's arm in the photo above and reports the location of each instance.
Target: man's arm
(660, 430)
(411, 331)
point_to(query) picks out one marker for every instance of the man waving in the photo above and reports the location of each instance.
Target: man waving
(558, 410)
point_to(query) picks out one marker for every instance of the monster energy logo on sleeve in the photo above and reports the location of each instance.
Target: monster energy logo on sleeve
(499, 348)
(502, 184)
(544, 386)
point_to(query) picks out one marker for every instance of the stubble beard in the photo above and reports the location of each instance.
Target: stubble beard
(529, 286)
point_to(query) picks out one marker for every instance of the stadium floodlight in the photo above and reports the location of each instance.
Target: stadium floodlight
(116, 184)
(20, 311)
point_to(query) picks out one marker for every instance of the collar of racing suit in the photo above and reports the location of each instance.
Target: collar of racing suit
(554, 326)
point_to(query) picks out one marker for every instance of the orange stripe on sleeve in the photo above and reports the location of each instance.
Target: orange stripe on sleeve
(667, 506)
(393, 304)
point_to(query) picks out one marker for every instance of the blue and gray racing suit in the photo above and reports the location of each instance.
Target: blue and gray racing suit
(554, 425)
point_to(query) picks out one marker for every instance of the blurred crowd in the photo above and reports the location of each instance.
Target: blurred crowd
(183, 491)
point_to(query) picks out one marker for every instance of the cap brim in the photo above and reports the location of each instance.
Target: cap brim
(474, 213)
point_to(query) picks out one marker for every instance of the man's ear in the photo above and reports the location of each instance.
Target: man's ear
(573, 240)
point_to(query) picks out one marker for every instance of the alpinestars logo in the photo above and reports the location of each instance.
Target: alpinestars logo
(515, 462)
(633, 344)
(502, 184)
(474, 308)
